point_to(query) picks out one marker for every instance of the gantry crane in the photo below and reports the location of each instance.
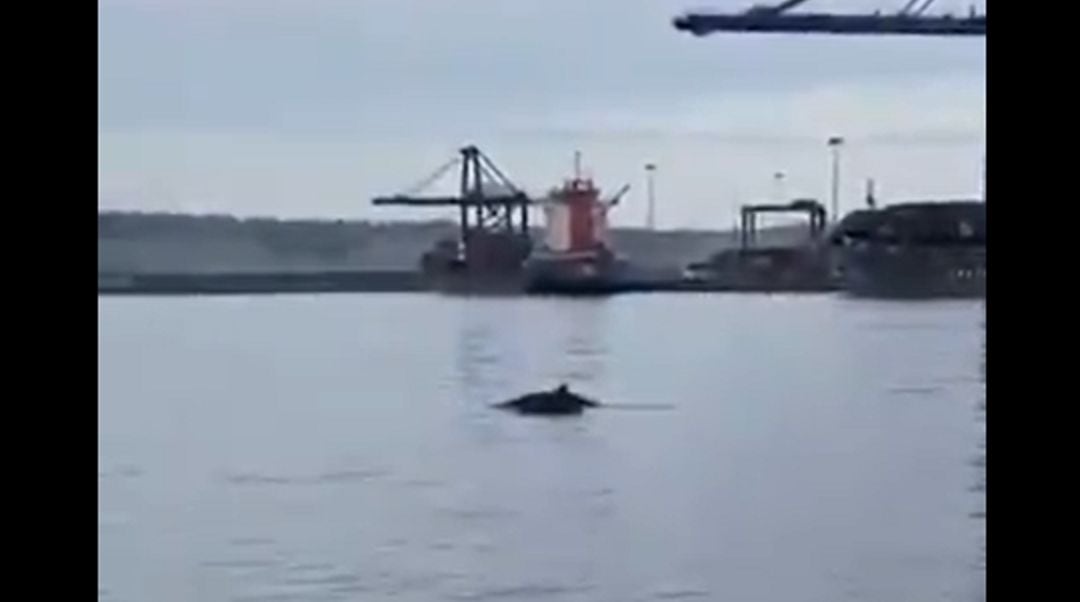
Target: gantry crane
(910, 20)
(493, 214)
(814, 210)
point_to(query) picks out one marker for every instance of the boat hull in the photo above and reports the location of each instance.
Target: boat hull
(885, 271)
(575, 274)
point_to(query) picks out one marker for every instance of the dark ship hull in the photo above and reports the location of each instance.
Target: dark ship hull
(490, 265)
(915, 250)
(576, 274)
(888, 271)
(768, 270)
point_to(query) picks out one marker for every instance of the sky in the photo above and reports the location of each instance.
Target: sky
(308, 108)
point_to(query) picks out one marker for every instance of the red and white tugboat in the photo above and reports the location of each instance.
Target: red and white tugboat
(575, 256)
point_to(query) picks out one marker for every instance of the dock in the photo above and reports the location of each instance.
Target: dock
(286, 283)
(260, 283)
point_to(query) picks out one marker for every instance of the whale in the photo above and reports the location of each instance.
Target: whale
(557, 402)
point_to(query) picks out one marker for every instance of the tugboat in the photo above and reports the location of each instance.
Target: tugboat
(575, 257)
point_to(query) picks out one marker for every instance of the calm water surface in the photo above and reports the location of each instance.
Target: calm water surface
(341, 448)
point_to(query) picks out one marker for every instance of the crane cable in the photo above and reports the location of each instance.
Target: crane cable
(922, 9)
(489, 167)
(428, 181)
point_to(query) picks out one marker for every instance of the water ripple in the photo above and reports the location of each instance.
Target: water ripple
(275, 596)
(127, 471)
(920, 391)
(308, 567)
(239, 564)
(251, 541)
(340, 476)
(541, 591)
(680, 594)
(332, 579)
(424, 484)
(479, 513)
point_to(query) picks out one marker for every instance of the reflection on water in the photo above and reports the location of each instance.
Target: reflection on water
(496, 351)
(341, 448)
(979, 488)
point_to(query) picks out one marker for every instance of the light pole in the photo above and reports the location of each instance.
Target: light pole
(984, 179)
(650, 218)
(778, 181)
(834, 145)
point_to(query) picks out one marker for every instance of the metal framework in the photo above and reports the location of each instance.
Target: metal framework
(909, 20)
(749, 213)
(488, 203)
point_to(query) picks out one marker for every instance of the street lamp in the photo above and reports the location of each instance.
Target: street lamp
(778, 180)
(834, 145)
(984, 179)
(650, 218)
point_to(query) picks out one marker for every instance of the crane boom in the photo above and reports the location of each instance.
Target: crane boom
(488, 202)
(775, 19)
(618, 195)
(922, 9)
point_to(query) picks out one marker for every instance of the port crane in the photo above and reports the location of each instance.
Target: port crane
(909, 20)
(493, 212)
(497, 203)
(814, 210)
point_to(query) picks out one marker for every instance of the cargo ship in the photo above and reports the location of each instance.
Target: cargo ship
(575, 256)
(914, 250)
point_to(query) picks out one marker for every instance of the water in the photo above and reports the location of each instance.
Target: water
(341, 448)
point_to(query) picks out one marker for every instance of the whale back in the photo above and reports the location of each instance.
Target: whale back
(559, 401)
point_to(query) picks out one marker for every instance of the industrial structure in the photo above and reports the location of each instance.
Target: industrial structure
(942, 248)
(909, 20)
(495, 252)
(493, 218)
(813, 209)
(497, 203)
(751, 267)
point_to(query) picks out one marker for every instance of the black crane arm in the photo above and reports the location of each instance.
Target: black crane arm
(777, 9)
(618, 195)
(922, 9)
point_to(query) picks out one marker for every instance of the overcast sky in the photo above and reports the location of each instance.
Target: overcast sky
(310, 107)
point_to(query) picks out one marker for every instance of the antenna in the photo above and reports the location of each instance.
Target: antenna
(650, 218)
